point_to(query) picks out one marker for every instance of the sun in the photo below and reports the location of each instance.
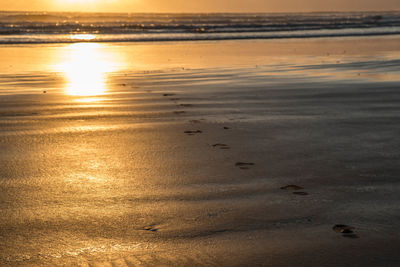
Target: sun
(80, 4)
(78, 1)
(85, 5)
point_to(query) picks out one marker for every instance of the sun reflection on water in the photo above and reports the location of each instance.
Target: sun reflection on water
(84, 37)
(85, 69)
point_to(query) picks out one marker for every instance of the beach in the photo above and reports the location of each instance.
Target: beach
(214, 153)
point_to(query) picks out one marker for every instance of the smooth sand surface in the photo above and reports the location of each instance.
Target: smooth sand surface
(176, 157)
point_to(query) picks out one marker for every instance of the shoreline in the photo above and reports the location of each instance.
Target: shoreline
(189, 39)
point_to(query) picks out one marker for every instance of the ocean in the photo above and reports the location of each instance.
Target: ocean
(49, 27)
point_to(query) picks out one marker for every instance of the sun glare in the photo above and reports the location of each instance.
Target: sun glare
(84, 5)
(85, 70)
(78, 1)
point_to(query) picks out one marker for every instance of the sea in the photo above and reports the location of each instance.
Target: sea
(53, 27)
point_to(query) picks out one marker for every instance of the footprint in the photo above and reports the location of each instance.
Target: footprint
(295, 188)
(345, 230)
(186, 105)
(192, 132)
(244, 165)
(168, 94)
(300, 193)
(221, 146)
(150, 228)
(226, 128)
(292, 187)
(179, 112)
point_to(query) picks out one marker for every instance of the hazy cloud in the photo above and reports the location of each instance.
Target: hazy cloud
(201, 6)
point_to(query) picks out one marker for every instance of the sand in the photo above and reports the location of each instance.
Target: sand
(231, 153)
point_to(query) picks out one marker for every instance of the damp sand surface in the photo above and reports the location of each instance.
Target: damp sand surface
(231, 153)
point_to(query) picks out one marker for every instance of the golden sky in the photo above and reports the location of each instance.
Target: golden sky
(200, 5)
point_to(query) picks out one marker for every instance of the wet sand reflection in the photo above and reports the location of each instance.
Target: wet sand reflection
(86, 69)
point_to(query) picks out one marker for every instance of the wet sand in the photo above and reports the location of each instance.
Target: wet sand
(272, 153)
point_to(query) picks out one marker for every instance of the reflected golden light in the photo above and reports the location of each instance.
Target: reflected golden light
(90, 100)
(86, 69)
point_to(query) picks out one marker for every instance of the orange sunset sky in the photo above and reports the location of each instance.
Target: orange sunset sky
(200, 5)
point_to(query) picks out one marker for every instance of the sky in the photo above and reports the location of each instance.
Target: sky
(200, 5)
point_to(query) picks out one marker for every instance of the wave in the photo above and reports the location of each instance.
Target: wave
(19, 27)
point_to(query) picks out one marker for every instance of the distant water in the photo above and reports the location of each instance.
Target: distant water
(35, 27)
